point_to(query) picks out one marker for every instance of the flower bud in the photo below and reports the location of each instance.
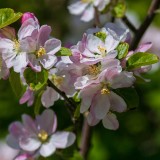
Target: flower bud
(27, 16)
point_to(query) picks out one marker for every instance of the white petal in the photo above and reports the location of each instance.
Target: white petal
(47, 121)
(12, 142)
(87, 96)
(111, 43)
(110, 121)
(47, 149)
(34, 63)
(48, 61)
(101, 105)
(49, 97)
(91, 119)
(117, 103)
(63, 139)
(93, 43)
(88, 14)
(52, 46)
(20, 62)
(77, 8)
(123, 79)
(29, 144)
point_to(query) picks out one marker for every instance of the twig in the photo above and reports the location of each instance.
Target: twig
(69, 101)
(86, 140)
(96, 18)
(148, 20)
(129, 24)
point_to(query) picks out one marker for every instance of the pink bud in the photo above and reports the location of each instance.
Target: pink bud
(27, 16)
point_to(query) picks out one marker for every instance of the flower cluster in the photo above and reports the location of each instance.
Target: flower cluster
(91, 71)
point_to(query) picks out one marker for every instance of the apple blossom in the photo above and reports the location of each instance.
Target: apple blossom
(14, 50)
(100, 97)
(39, 135)
(97, 45)
(86, 8)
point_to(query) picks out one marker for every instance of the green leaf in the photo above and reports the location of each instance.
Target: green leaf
(119, 10)
(122, 50)
(36, 80)
(7, 17)
(64, 52)
(130, 96)
(16, 84)
(141, 59)
(77, 156)
(38, 103)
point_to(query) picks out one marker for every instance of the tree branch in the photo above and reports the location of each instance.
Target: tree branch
(86, 140)
(96, 18)
(148, 20)
(129, 24)
(69, 101)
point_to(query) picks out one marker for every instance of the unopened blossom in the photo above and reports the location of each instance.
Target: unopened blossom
(28, 97)
(39, 135)
(28, 15)
(86, 8)
(100, 99)
(95, 46)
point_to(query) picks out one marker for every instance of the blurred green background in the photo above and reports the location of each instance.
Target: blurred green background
(138, 137)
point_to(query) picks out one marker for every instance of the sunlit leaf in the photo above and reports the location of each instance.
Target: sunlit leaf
(8, 16)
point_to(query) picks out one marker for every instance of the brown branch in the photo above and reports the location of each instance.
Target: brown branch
(129, 24)
(69, 101)
(96, 18)
(148, 20)
(86, 140)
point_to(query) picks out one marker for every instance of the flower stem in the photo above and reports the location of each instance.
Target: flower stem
(86, 140)
(148, 20)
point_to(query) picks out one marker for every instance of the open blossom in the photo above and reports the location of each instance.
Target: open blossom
(86, 8)
(63, 80)
(38, 135)
(42, 49)
(100, 99)
(14, 50)
(98, 44)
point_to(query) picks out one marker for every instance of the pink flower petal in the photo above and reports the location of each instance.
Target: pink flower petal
(110, 121)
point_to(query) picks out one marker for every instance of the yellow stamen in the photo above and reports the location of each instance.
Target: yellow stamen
(102, 50)
(16, 45)
(43, 135)
(105, 91)
(41, 52)
(93, 70)
(57, 80)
